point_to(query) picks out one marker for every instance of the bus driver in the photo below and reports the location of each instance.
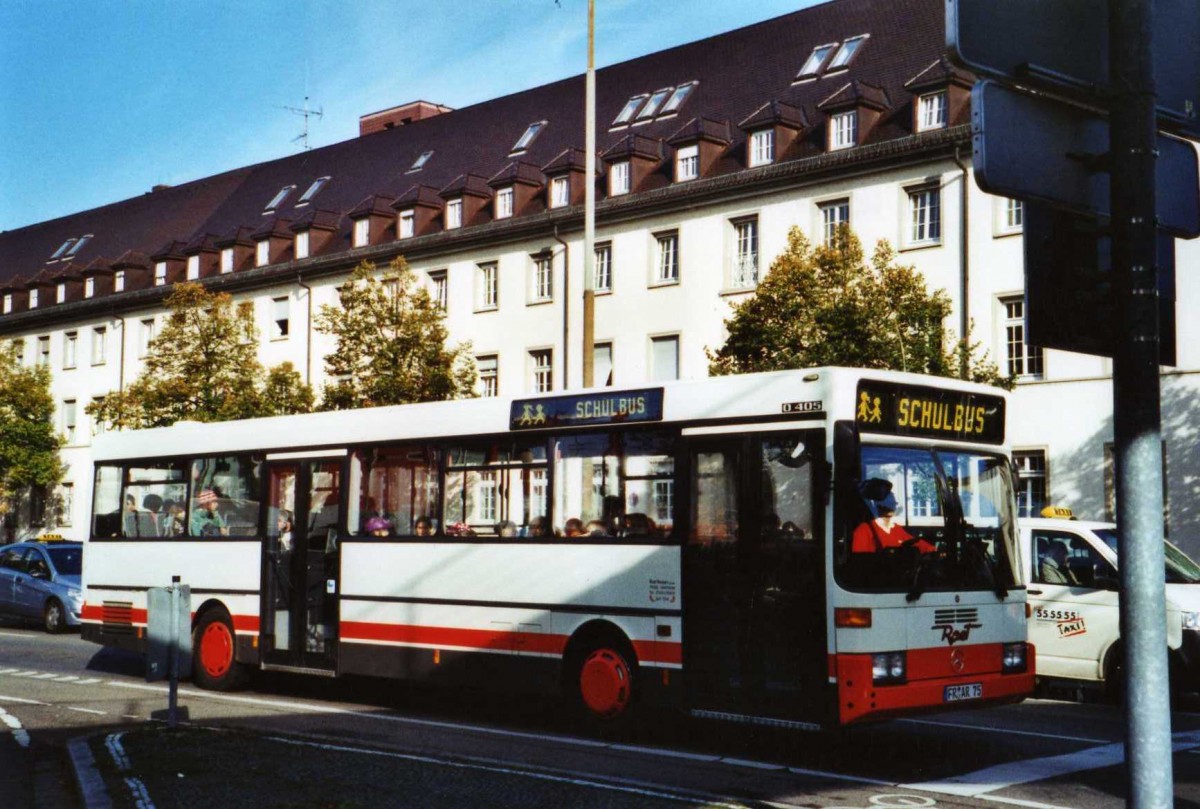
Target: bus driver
(884, 532)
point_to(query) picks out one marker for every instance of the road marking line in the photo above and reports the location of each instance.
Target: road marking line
(87, 710)
(66, 679)
(1019, 802)
(115, 749)
(994, 729)
(8, 671)
(15, 635)
(1002, 776)
(4, 698)
(19, 734)
(660, 751)
(89, 681)
(756, 765)
(43, 676)
(29, 673)
(141, 798)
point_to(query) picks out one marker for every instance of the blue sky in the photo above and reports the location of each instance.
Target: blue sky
(101, 100)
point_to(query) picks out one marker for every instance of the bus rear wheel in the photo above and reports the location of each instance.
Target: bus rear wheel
(214, 646)
(604, 686)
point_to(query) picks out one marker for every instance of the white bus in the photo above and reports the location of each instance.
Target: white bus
(689, 544)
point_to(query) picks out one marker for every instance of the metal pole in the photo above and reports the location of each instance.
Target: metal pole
(173, 658)
(1136, 405)
(589, 203)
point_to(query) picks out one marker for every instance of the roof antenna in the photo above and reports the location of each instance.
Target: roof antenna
(306, 112)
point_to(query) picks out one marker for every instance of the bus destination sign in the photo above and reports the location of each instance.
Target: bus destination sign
(887, 407)
(586, 409)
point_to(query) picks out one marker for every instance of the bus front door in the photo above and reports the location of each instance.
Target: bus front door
(300, 565)
(754, 618)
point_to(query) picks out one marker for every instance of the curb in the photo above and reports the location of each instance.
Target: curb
(91, 784)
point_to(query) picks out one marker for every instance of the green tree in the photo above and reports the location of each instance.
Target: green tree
(203, 366)
(391, 344)
(29, 442)
(826, 305)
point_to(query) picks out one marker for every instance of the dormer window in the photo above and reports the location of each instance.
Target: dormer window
(618, 181)
(7, 303)
(560, 192)
(302, 243)
(278, 199)
(80, 242)
(262, 253)
(843, 130)
(931, 111)
(504, 203)
(33, 298)
(631, 106)
(847, 52)
(687, 163)
(420, 162)
(362, 232)
(60, 293)
(525, 140)
(227, 260)
(119, 281)
(653, 103)
(62, 248)
(160, 273)
(812, 65)
(193, 268)
(762, 147)
(677, 98)
(89, 287)
(406, 227)
(453, 214)
(317, 185)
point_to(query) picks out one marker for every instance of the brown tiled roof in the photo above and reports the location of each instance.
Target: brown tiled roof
(276, 226)
(199, 243)
(466, 184)
(172, 249)
(98, 266)
(855, 93)
(702, 129)
(14, 283)
(237, 235)
(131, 258)
(775, 112)
(374, 204)
(319, 219)
(419, 195)
(518, 172)
(566, 160)
(635, 145)
(939, 73)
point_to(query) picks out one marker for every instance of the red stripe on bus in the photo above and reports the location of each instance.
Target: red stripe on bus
(138, 617)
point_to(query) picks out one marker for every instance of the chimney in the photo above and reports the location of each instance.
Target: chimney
(398, 116)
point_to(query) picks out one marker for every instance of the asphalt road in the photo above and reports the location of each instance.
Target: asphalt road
(1040, 753)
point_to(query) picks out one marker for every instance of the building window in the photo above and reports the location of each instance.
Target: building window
(316, 186)
(504, 203)
(664, 358)
(66, 504)
(560, 192)
(160, 273)
(1031, 482)
(362, 232)
(227, 260)
(843, 130)
(602, 276)
(488, 367)
(526, 139)
(278, 199)
(97, 424)
(925, 215)
(847, 52)
(145, 336)
(43, 350)
(1010, 216)
(541, 365)
(762, 147)
(89, 287)
(744, 272)
(302, 243)
(193, 267)
(619, 178)
(626, 113)
(653, 103)
(931, 111)
(1024, 360)
(68, 411)
(18, 347)
(406, 225)
(119, 281)
(454, 214)
(677, 98)
(420, 162)
(812, 65)
(666, 267)
(99, 345)
(602, 365)
(7, 303)
(487, 293)
(834, 215)
(262, 253)
(687, 163)
(280, 318)
(70, 348)
(542, 286)
(62, 248)
(33, 298)
(439, 290)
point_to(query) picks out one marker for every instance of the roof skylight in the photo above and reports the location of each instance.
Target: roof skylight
(653, 103)
(278, 199)
(678, 97)
(420, 162)
(847, 51)
(812, 65)
(530, 133)
(631, 106)
(317, 185)
(62, 248)
(80, 242)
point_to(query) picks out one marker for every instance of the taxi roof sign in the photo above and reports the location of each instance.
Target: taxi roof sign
(1058, 512)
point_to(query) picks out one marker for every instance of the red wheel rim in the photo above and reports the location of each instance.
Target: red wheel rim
(216, 649)
(604, 683)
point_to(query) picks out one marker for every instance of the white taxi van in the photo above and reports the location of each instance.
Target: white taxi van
(1074, 620)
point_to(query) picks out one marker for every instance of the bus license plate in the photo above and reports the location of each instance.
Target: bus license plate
(956, 693)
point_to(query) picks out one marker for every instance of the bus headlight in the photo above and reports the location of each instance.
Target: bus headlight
(1190, 620)
(888, 668)
(1014, 661)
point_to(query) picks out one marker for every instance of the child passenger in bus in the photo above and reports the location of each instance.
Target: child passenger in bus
(378, 527)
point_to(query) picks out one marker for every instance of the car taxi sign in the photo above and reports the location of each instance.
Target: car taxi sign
(1058, 512)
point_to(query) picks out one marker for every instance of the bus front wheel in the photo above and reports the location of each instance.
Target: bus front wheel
(214, 645)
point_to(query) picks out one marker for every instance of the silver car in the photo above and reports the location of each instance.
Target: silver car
(40, 580)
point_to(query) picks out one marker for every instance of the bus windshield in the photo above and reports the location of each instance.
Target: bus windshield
(928, 519)
(1181, 569)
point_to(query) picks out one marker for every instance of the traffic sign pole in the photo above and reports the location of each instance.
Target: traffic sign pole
(1137, 416)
